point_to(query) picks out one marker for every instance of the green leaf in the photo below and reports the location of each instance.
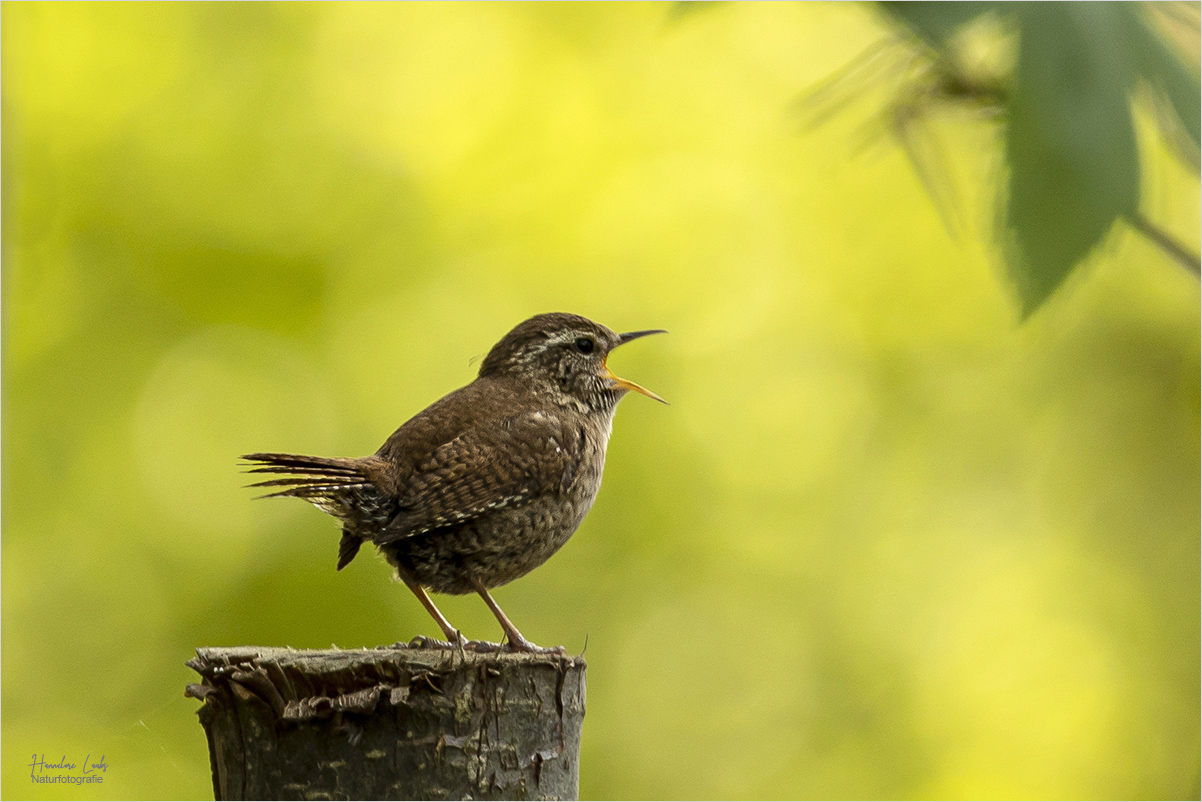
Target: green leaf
(936, 23)
(1070, 144)
(1163, 68)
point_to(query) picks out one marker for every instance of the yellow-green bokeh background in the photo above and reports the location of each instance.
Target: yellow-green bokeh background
(886, 542)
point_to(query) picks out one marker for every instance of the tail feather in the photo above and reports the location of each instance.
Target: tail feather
(299, 463)
(302, 480)
(326, 482)
(348, 547)
(318, 494)
(310, 478)
(307, 471)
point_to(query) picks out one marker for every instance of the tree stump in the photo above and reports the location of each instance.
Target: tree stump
(396, 722)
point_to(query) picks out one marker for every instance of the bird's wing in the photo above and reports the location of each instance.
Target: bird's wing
(481, 470)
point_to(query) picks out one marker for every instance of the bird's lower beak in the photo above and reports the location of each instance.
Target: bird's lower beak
(626, 384)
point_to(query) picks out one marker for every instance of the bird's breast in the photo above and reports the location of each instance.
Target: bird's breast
(571, 450)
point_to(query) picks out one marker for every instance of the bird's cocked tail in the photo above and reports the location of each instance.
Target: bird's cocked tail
(336, 485)
(310, 478)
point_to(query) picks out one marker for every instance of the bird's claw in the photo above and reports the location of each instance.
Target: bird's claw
(425, 642)
(476, 646)
(482, 646)
(526, 647)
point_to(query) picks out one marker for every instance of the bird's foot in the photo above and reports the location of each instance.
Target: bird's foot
(482, 646)
(477, 646)
(526, 647)
(425, 642)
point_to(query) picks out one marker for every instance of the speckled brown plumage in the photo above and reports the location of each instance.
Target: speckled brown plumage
(484, 485)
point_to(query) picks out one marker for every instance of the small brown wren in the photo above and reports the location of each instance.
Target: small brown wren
(485, 484)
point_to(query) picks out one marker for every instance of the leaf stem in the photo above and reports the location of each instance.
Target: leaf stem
(1183, 256)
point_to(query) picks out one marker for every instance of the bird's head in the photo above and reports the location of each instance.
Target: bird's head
(565, 355)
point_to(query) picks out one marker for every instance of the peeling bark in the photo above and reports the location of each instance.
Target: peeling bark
(390, 723)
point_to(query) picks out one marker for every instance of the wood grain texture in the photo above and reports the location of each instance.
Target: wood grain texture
(390, 723)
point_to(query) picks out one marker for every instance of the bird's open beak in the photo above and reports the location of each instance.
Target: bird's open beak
(625, 384)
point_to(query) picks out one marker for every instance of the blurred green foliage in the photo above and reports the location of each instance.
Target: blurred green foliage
(885, 542)
(1073, 169)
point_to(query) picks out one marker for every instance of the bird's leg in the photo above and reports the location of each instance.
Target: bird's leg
(451, 633)
(516, 641)
(454, 636)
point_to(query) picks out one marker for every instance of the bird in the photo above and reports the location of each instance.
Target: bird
(485, 484)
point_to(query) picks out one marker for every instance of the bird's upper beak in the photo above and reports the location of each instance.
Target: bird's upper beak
(634, 335)
(626, 384)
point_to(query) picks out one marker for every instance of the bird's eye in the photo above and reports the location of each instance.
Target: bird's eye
(584, 345)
